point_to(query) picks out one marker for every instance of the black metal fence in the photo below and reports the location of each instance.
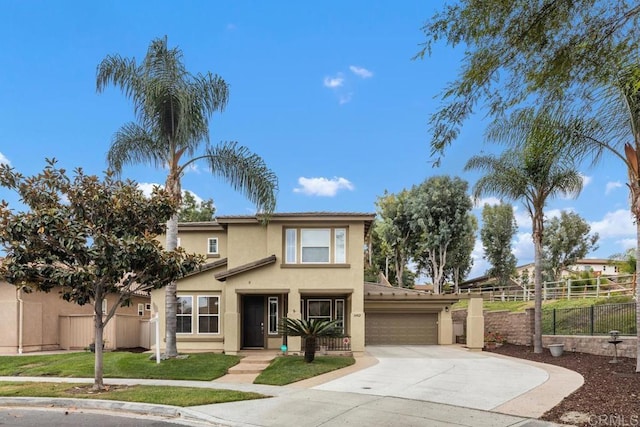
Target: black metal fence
(332, 343)
(593, 320)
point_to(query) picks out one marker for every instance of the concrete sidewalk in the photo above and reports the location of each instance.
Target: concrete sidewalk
(320, 401)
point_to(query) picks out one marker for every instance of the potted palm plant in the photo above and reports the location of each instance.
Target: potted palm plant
(309, 330)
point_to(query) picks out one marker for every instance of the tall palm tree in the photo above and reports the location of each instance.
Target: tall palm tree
(172, 108)
(535, 168)
(614, 128)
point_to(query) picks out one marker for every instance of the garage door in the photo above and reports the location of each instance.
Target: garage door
(401, 328)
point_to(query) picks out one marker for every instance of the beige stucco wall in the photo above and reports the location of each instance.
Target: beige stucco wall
(246, 243)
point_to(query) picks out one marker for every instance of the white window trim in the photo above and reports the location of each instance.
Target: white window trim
(104, 306)
(209, 246)
(320, 300)
(272, 328)
(328, 261)
(217, 297)
(185, 315)
(335, 246)
(343, 312)
(147, 306)
(178, 242)
(294, 255)
(140, 309)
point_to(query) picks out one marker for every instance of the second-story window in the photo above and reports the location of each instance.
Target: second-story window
(315, 246)
(212, 246)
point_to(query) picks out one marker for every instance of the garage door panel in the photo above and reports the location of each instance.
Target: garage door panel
(401, 328)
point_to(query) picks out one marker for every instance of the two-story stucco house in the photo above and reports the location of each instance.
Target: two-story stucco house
(299, 265)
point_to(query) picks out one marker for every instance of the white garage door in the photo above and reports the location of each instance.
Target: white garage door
(401, 328)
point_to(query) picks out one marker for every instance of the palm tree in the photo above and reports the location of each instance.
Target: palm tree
(310, 331)
(615, 128)
(172, 109)
(534, 169)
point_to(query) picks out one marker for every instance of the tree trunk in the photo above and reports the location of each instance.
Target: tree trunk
(537, 313)
(309, 349)
(171, 300)
(98, 381)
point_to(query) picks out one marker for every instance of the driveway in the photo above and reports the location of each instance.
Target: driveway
(441, 374)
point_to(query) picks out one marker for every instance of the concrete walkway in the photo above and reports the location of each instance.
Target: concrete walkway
(399, 386)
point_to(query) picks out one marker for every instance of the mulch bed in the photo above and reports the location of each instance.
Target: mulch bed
(610, 394)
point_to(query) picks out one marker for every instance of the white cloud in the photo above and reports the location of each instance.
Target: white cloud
(626, 244)
(334, 82)
(612, 185)
(480, 265)
(615, 224)
(523, 248)
(193, 168)
(322, 186)
(4, 160)
(523, 219)
(586, 180)
(360, 71)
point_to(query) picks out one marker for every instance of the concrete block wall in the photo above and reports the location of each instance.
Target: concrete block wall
(593, 344)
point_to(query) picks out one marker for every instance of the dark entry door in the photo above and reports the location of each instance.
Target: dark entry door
(253, 321)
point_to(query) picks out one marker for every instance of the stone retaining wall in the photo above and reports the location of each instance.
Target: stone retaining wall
(517, 328)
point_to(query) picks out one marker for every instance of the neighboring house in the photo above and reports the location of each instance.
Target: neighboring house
(598, 266)
(38, 321)
(298, 265)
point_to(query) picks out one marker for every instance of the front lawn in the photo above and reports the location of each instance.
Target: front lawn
(289, 369)
(163, 395)
(197, 366)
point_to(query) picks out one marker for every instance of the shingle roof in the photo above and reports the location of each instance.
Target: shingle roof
(222, 276)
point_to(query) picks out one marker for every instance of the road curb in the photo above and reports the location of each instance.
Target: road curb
(166, 411)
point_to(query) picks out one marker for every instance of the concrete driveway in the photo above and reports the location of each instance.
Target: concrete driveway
(441, 374)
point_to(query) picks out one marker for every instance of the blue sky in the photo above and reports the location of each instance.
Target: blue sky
(327, 93)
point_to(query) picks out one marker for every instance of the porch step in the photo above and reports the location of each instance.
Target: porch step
(257, 359)
(248, 368)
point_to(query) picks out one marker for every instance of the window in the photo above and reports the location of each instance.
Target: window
(290, 251)
(185, 314)
(273, 315)
(315, 246)
(140, 309)
(208, 315)
(178, 243)
(147, 306)
(340, 314)
(104, 306)
(212, 246)
(319, 309)
(340, 245)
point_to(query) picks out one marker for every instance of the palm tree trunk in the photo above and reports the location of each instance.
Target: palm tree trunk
(171, 299)
(537, 313)
(309, 349)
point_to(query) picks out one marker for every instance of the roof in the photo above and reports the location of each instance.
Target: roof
(208, 266)
(224, 275)
(377, 291)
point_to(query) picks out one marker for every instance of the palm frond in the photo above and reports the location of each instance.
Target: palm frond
(245, 171)
(133, 144)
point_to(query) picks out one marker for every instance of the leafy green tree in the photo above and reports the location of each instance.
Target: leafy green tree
(513, 49)
(89, 238)
(566, 239)
(173, 108)
(626, 261)
(459, 261)
(498, 228)
(310, 331)
(192, 211)
(537, 167)
(438, 216)
(394, 232)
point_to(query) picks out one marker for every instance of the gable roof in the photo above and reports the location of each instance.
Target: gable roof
(208, 266)
(222, 276)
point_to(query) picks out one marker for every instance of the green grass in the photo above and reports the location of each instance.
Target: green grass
(496, 305)
(198, 366)
(175, 396)
(547, 305)
(289, 369)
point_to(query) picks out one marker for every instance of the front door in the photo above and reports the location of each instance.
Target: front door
(253, 321)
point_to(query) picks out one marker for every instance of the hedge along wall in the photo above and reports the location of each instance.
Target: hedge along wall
(517, 328)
